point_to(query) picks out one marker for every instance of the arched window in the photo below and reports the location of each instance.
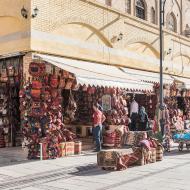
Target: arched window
(140, 9)
(153, 15)
(128, 6)
(109, 3)
(172, 23)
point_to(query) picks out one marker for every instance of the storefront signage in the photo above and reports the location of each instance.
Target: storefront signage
(106, 102)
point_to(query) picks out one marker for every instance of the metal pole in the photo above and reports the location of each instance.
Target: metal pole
(161, 64)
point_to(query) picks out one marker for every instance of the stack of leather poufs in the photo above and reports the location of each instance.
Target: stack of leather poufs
(114, 136)
(133, 138)
(41, 110)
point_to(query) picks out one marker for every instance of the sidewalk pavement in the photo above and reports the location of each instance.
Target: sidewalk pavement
(82, 173)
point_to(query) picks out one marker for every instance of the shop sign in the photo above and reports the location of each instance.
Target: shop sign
(106, 102)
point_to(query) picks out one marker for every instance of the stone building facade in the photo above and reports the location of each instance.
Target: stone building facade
(118, 32)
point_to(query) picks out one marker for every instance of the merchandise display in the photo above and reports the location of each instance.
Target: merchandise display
(41, 111)
(10, 77)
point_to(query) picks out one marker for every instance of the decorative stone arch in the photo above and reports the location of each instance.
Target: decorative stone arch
(80, 22)
(148, 46)
(181, 55)
(96, 32)
(173, 16)
(180, 12)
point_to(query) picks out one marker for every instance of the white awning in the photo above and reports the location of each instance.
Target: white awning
(95, 74)
(185, 81)
(148, 76)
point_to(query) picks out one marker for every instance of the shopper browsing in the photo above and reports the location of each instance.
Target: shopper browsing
(98, 119)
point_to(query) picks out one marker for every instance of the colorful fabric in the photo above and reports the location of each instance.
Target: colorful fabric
(146, 144)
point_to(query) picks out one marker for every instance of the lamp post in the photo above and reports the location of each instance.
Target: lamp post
(161, 15)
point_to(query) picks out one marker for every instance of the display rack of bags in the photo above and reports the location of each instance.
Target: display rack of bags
(41, 110)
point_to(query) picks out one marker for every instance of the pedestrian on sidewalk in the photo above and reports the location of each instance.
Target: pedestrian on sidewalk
(98, 119)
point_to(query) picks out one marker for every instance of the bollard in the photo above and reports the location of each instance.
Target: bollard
(41, 152)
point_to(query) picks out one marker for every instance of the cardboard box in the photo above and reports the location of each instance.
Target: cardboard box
(70, 146)
(62, 149)
(78, 147)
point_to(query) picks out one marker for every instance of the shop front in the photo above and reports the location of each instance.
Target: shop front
(47, 103)
(57, 97)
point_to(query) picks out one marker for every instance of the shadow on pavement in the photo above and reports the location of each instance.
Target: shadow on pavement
(13, 156)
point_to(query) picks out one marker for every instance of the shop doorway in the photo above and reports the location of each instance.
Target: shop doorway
(10, 82)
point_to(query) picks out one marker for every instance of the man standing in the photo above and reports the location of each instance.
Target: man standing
(98, 119)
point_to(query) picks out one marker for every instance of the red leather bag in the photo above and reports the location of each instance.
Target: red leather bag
(54, 81)
(62, 83)
(35, 93)
(36, 84)
(65, 74)
(54, 93)
(69, 84)
(37, 69)
(47, 95)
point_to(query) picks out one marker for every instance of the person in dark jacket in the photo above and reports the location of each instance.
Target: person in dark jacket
(143, 119)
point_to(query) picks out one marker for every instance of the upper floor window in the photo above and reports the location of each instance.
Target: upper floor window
(140, 9)
(128, 6)
(153, 15)
(172, 23)
(109, 3)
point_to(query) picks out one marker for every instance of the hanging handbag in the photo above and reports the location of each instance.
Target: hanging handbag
(11, 81)
(10, 71)
(46, 95)
(36, 84)
(37, 69)
(54, 93)
(4, 71)
(1, 121)
(6, 130)
(65, 74)
(6, 121)
(62, 83)
(4, 111)
(36, 104)
(35, 93)
(84, 88)
(37, 112)
(54, 81)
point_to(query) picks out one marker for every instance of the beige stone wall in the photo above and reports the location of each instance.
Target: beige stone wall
(88, 30)
(180, 8)
(14, 29)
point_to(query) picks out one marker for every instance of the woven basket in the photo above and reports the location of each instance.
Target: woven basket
(159, 153)
(107, 159)
(153, 155)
